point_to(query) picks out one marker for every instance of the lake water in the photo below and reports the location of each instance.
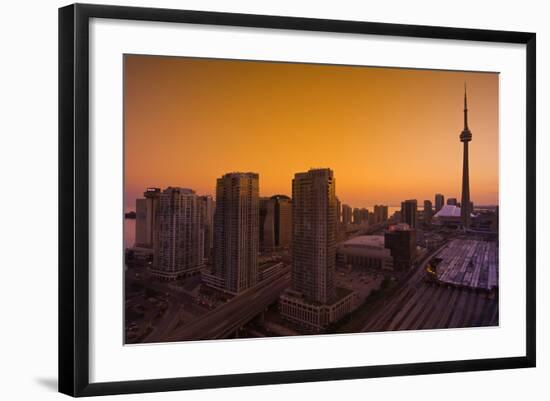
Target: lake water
(129, 232)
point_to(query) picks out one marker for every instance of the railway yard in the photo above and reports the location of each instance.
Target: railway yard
(465, 293)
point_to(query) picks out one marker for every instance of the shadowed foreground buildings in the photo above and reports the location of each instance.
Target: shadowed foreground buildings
(439, 202)
(346, 214)
(177, 250)
(236, 231)
(146, 210)
(275, 222)
(361, 216)
(395, 250)
(380, 213)
(409, 212)
(314, 301)
(428, 211)
(401, 240)
(207, 206)
(364, 252)
(356, 216)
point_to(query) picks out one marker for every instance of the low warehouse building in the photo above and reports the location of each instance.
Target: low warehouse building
(365, 251)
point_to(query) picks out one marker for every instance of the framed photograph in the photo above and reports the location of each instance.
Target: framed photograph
(251, 199)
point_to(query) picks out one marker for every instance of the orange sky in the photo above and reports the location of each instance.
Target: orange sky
(388, 134)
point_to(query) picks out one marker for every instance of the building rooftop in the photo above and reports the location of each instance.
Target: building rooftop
(179, 189)
(469, 263)
(370, 241)
(240, 174)
(448, 211)
(278, 196)
(399, 227)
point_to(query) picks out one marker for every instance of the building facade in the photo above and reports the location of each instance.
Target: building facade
(146, 210)
(409, 213)
(313, 301)
(206, 204)
(283, 221)
(346, 214)
(267, 224)
(236, 231)
(275, 222)
(380, 213)
(177, 250)
(365, 252)
(314, 317)
(428, 211)
(338, 212)
(400, 239)
(439, 202)
(364, 215)
(142, 239)
(357, 218)
(314, 234)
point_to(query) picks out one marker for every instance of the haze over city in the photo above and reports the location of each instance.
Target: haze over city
(388, 134)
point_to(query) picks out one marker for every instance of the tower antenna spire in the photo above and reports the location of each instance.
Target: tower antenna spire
(465, 108)
(465, 137)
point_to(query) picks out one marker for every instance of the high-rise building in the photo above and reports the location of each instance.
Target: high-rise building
(346, 214)
(314, 234)
(439, 202)
(380, 213)
(142, 239)
(428, 211)
(452, 202)
(206, 204)
(283, 221)
(401, 240)
(465, 137)
(177, 250)
(408, 212)
(267, 224)
(364, 213)
(356, 215)
(275, 222)
(313, 301)
(236, 231)
(338, 212)
(146, 210)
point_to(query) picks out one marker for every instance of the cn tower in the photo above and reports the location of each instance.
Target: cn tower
(465, 137)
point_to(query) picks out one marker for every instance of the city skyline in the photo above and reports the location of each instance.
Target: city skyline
(366, 135)
(315, 282)
(301, 235)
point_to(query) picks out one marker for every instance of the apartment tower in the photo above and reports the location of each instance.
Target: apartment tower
(236, 230)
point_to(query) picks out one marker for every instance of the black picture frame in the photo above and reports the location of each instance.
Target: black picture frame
(74, 198)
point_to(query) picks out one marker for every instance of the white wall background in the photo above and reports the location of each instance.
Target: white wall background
(28, 227)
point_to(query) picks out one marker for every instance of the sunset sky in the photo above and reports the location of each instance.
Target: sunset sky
(388, 134)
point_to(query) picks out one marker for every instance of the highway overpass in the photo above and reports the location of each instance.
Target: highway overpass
(228, 318)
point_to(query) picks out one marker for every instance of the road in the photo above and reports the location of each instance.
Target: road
(175, 299)
(226, 319)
